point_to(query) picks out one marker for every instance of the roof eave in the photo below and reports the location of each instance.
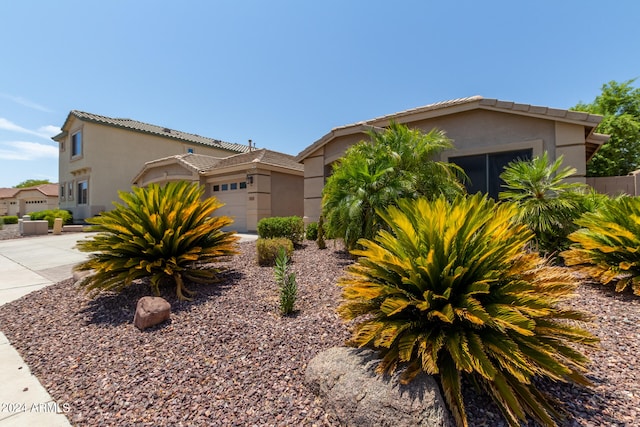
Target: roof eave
(360, 127)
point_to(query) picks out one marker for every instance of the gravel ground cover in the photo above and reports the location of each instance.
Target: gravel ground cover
(229, 359)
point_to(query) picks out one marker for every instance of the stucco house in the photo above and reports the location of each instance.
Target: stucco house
(254, 185)
(21, 201)
(100, 155)
(487, 134)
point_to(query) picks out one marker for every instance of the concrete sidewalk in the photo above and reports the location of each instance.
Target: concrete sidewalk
(27, 265)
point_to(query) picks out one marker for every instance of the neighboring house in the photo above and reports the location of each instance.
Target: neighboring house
(21, 201)
(254, 185)
(100, 155)
(487, 134)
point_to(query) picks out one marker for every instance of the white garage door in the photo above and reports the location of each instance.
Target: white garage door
(234, 196)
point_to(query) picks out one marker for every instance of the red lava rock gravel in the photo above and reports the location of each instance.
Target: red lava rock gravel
(229, 359)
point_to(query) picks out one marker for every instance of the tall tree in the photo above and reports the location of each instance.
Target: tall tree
(397, 163)
(32, 183)
(619, 103)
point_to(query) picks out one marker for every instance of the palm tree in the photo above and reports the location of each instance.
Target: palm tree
(397, 163)
(549, 204)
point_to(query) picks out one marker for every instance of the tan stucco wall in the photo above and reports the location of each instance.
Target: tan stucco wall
(35, 201)
(111, 157)
(616, 185)
(472, 132)
(287, 194)
(259, 198)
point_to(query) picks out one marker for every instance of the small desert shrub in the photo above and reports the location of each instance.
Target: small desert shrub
(311, 231)
(165, 233)
(289, 227)
(51, 214)
(286, 283)
(448, 290)
(267, 249)
(10, 219)
(607, 248)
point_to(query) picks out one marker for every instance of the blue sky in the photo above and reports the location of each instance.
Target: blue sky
(284, 73)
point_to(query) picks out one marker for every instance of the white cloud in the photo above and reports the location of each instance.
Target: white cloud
(25, 102)
(49, 130)
(24, 150)
(44, 132)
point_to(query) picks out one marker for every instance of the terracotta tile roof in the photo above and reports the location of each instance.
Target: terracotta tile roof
(440, 108)
(263, 156)
(49, 190)
(8, 193)
(199, 162)
(153, 129)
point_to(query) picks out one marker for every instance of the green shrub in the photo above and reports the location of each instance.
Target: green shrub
(607, 248)
(286, 283)
(166, 233)
(312, 231)
(290, 227)
(448, 290)
(51, 214)
(267, 249)
(10, 219)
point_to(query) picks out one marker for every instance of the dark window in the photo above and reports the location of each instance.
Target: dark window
(234, 186)
(484, 170)
(216, 188)
(63, 187)
(225, 187)
(190, 150)
(70, 192)
(76, 144)
(243, 185)
(83, 192)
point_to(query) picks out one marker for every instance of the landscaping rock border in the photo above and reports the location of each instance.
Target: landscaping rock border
(229, 359)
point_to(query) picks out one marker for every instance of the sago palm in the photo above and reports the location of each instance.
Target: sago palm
(548, 202)
(396, 163)
(607, 248)
(448, 290)
(164, 233)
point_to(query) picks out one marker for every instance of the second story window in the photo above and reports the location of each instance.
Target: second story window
(76, 144)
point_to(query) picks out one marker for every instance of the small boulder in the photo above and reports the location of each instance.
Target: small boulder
(346, 382)
(151, 311)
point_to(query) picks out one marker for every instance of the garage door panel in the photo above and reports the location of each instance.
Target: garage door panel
(235, 206)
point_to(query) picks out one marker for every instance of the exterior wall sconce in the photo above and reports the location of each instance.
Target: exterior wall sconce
(250, 179)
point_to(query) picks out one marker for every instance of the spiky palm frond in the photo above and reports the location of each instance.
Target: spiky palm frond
(159, 232)
(607, 248)
(548, 203)
(396, 163)
(447, 289)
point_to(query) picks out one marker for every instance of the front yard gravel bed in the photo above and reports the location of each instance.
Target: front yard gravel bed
(229, 359)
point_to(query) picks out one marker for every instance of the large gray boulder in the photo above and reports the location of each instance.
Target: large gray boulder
(345, 380)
